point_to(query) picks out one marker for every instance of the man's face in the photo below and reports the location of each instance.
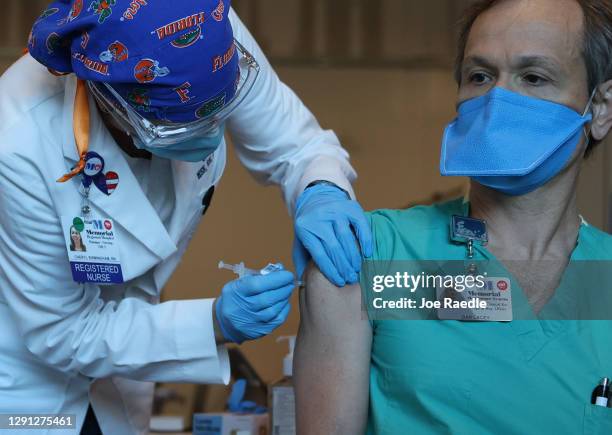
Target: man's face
(533, 47)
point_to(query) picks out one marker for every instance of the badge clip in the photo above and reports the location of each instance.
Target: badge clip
(469, 231)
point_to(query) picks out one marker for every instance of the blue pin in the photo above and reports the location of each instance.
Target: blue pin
(94, 168)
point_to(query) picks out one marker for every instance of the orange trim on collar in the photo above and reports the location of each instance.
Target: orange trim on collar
(80, 127)
(80, 123)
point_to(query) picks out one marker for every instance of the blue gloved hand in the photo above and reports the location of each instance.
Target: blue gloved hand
(255, 305)
(326, 221)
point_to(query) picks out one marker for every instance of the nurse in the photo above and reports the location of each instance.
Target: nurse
(535, 96)
(112, 143)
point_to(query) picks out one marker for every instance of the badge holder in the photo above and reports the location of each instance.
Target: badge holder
(469, 231)
(94, 167)
(491, 302)
(91, 240)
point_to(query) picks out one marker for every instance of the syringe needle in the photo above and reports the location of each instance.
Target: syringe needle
(223, 265)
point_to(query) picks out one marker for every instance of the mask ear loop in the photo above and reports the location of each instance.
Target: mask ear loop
(588, 107)
(80, 128)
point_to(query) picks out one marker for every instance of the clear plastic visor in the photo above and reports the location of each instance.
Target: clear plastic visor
(160, 133)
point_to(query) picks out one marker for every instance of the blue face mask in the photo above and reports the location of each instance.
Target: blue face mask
(193, 150)
(510, 142)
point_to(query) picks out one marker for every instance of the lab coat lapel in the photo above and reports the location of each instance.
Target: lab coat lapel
(186, 202)
(127, 205)
(191, 182)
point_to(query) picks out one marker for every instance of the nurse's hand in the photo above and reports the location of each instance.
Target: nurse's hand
(326, 221)
(254, 306)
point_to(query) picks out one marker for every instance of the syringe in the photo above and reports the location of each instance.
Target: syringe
(241, 270)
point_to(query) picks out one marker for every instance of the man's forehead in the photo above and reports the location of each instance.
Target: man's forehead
(549, 28)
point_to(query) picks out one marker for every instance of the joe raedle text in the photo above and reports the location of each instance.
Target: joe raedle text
(424, 303)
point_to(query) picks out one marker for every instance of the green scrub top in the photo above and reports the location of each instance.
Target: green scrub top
(451, 377)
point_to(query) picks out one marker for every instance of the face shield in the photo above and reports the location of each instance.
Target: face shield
(160, 134)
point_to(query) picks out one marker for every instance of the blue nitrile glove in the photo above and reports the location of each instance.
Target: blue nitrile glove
(254, 305)
(326, 221)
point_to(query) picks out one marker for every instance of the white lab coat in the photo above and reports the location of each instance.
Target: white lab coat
(64, 345)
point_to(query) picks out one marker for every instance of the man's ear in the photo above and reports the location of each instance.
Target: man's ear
(602, 112)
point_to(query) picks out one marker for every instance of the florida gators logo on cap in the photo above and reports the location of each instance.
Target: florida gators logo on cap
(211, 106)
(133, 9)
(189, 38)
(102, 8)
(116, 52)
(217, 14)
(148, 70)
(75, 10)
(139, 99)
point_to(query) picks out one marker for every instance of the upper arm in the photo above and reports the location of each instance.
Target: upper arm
(332, 359)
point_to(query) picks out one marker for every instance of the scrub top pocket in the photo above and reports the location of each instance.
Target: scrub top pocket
(597, 420)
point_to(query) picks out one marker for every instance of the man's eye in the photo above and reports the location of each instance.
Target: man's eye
(534, 80)
(479, 78)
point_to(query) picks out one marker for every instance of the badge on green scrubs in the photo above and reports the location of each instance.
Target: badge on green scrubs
(486, 301)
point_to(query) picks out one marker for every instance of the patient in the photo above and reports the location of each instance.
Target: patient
(535, 98)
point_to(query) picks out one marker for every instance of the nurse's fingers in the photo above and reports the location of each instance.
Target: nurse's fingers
(348, 242)
(364, 233)
(281, 316)
(265, 300)
(340, 260)
(321, 258)
(274, 314)
(255, 284)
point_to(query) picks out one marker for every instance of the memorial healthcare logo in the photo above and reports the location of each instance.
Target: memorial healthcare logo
(102, 225)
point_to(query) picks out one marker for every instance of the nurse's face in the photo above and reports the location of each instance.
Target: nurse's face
(533, 47)
(75, 236)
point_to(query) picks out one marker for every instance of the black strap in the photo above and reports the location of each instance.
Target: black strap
(90, 425)
(206, 201)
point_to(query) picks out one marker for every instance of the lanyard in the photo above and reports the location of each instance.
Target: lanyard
(80, 124)
(80, 127)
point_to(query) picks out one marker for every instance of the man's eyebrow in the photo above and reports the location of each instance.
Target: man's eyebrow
(521, 62)
(540, 61)
(478, 61)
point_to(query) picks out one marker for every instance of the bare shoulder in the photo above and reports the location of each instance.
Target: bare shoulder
(322, 303)
(332, 359)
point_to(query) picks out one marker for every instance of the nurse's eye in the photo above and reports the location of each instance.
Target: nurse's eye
(479, 78)
(535, 79)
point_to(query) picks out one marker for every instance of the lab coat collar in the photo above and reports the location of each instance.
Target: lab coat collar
(128, 206)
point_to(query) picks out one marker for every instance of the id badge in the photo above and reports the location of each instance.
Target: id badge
(491, 302)
(93, 251)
